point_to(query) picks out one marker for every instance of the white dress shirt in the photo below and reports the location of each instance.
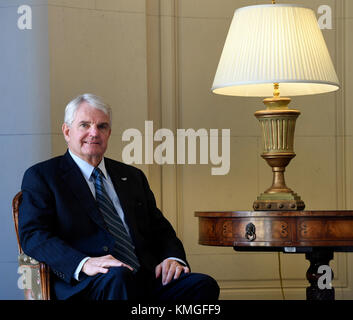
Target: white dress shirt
(87, 170)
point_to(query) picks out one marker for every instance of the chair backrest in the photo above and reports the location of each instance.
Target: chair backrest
(15, 210)
(36, 284)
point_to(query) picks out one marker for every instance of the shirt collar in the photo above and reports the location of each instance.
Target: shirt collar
(87, 168)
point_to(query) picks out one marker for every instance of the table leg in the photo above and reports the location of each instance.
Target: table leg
(319, 288)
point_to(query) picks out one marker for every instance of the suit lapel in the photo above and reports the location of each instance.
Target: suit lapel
(75, 181)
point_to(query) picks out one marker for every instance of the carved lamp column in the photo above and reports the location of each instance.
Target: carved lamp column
(278, 126)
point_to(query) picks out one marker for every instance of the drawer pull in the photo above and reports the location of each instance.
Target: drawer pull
(250, 232)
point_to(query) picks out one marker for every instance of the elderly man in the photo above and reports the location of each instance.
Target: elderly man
(94, 221)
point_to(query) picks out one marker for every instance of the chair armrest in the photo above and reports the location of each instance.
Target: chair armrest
(34, 279)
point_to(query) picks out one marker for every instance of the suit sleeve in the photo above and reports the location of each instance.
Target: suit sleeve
(161, 231)
(37, 224)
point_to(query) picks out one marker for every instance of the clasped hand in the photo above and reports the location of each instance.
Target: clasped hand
(169, 269)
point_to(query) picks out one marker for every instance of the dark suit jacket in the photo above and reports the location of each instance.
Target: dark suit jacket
(60, 223)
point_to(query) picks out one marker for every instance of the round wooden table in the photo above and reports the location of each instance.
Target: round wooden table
(318, 234)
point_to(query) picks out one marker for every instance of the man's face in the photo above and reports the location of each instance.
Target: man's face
(88, 135)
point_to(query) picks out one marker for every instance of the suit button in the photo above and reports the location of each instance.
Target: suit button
(105, 248)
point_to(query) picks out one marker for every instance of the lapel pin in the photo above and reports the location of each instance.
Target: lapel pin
(124, 178)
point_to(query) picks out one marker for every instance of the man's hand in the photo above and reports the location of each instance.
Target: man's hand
(101, 265)
(170, 269)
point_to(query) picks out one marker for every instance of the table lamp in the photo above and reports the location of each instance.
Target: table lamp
(275, 50)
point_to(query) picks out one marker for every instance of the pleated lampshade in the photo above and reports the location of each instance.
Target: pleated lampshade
(277, 43)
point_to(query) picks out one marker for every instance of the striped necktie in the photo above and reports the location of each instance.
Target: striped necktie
(124, 249)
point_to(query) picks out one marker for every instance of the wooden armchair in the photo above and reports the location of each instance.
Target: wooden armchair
(35, 275)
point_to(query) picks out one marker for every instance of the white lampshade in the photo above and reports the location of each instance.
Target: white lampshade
(277, 43)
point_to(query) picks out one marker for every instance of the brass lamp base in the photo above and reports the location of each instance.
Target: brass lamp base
(278, 125)
(268, 202)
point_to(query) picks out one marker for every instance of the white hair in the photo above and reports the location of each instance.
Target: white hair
(93, 100)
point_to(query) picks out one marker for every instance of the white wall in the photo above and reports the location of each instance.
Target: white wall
(25, 119)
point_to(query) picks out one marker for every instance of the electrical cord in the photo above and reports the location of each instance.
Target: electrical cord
(280, 275)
